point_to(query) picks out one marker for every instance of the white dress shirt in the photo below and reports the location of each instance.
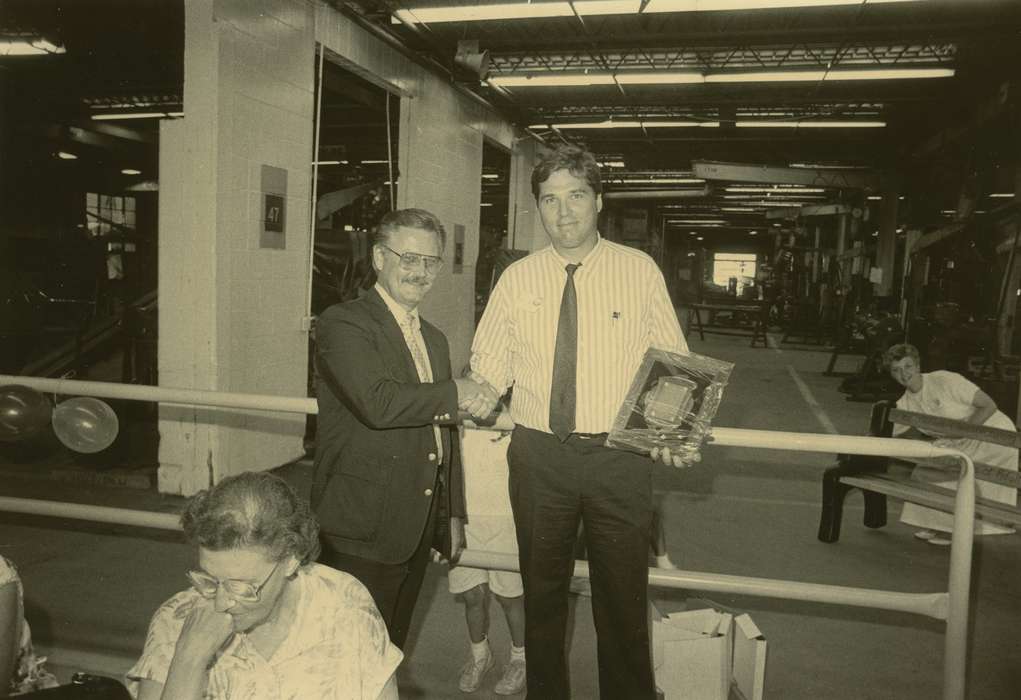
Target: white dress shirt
(623, 309)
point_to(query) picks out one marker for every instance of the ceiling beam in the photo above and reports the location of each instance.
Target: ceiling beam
(509, 44)
(743, 172)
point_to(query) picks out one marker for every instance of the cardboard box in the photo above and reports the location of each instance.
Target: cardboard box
(691, 654)
(708, 655)
(749, 659)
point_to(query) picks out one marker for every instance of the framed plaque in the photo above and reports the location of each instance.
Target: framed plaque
(671, 403)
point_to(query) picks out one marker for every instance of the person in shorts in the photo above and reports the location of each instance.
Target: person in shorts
(490, 527)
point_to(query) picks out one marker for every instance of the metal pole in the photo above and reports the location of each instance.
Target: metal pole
(929, 604)
(99, 514)
(185, 397)
(961, 542)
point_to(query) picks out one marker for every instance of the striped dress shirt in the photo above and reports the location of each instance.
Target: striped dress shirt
(623, 309)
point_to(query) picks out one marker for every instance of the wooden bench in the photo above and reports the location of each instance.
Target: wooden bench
(759, 311)
(879, 477)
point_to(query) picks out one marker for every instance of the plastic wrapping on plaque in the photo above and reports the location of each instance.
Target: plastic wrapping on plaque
(671, 402)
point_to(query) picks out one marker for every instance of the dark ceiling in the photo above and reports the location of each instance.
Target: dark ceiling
(978, 39)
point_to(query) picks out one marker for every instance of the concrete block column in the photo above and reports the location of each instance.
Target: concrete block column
(232, 297)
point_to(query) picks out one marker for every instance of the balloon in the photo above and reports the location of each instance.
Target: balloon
(24, 412)
(85, 424)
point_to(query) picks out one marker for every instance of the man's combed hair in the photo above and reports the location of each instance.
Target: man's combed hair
(410, 218)
(898, 352)
(253, 509)
(575, 160)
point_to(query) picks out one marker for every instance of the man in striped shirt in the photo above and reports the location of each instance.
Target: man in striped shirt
(601, 305)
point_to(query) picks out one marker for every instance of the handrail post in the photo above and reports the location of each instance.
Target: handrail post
(961, 544)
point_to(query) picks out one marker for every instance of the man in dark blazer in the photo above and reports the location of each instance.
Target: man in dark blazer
(388, 485)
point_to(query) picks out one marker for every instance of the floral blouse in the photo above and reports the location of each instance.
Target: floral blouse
(29, 672)
(337, 648)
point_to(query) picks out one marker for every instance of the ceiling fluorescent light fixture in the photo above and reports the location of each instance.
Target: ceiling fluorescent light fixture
(135, 115)
(552, 80)
(746, 199)
(782, 189)
(828, 166)
(589, 8)
(810, 124)
(1002, 195)
(131, 171)
(697, 222)
(629, 124)
(694, 78)
(736, 209)
(656, 181)
(660, 78)
(28, 46)
(537, 10)
(835, 74)
(678, 125)
(64, 155)
(606, 124)
(611, 164)
(483, 13)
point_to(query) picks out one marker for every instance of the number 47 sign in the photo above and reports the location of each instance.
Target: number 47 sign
(274, 213)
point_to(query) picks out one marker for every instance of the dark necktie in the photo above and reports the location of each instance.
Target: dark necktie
(565, 362)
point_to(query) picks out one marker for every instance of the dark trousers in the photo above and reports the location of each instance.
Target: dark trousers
(394, 587)
(553, 487)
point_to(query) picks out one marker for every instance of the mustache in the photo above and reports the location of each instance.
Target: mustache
(417, 279)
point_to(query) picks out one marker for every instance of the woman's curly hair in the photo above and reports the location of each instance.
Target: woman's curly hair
(896, 353)
(253, 509)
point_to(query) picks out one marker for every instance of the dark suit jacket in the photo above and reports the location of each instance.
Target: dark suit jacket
(376, 472)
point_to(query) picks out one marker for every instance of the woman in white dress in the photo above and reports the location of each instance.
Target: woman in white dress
(949, 395)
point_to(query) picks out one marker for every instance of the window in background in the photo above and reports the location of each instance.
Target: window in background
(734, 271)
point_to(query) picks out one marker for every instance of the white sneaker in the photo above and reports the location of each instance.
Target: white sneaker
(513, 681)
(473, 672)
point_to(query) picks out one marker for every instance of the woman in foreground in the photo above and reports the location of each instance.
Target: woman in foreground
(261, 620)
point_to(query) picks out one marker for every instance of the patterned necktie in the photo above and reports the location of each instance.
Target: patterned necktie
(565, 362)
(417, 354)
(425, 373)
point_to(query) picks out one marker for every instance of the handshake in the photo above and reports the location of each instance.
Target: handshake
(476, 396)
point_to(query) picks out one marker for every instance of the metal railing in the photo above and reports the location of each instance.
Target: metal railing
(951, 606)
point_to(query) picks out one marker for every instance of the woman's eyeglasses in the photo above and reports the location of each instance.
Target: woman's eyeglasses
(240, 591)
(410, 261)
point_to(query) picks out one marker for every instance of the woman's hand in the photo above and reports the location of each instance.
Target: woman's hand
(205, 631)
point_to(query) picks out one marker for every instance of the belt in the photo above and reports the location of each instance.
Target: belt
(590, 436)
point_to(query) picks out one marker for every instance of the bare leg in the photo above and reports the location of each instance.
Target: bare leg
(514, 611)
(476, 612)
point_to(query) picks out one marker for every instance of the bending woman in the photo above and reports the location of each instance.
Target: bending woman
(261, 620)
(949, 395)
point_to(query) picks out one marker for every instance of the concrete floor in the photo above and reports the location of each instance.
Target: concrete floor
(91, 588)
